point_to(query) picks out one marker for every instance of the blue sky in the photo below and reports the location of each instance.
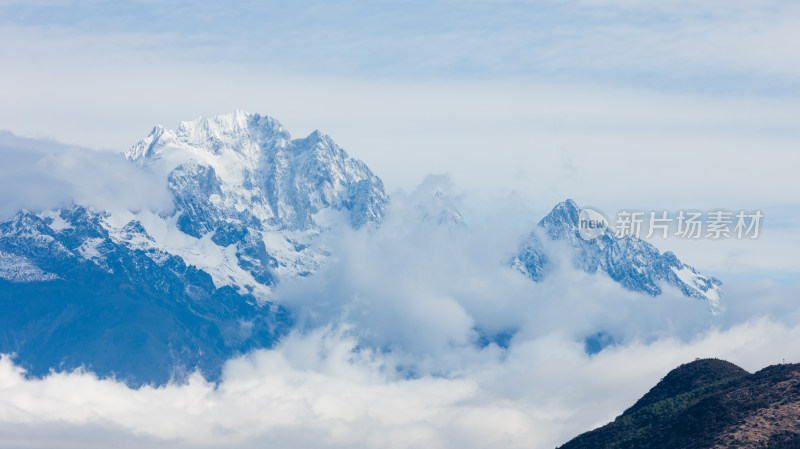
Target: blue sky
(718, 47)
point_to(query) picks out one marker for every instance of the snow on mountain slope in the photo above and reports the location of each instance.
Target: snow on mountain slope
(249, 168)
(73, 294)
(634, 263)
(16, 268)
(241, 182)
(160, 238)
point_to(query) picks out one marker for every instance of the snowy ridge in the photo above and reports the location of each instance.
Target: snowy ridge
(635, 264)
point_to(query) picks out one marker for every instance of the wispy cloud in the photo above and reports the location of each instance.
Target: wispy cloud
(40, 174)
(721, 47)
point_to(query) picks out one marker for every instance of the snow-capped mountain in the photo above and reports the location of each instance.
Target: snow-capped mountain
(241, 180)
(146, 295)
(247, 169)
(635, 264)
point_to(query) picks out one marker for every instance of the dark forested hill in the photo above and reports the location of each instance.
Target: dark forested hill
(708, 404)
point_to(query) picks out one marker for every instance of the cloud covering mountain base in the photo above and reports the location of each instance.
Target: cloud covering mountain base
(320, 390)
(417, 335)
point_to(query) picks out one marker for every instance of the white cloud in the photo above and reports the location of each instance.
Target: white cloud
(43, 174)
(318, 391)
(424, 289)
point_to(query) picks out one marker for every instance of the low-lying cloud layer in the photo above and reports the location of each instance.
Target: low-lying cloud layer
(418, 335)
(320, 390)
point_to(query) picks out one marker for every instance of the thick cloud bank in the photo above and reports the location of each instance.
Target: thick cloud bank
(319, 390)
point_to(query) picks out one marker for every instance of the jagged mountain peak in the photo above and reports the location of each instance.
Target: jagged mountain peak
(562, 219)
(241, 181)
(239, 132)
(565, 212)
(229, 129)
(251, 166)
(636, 264)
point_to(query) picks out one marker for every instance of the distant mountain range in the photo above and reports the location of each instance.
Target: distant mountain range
(149, 297)
(708, 404)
